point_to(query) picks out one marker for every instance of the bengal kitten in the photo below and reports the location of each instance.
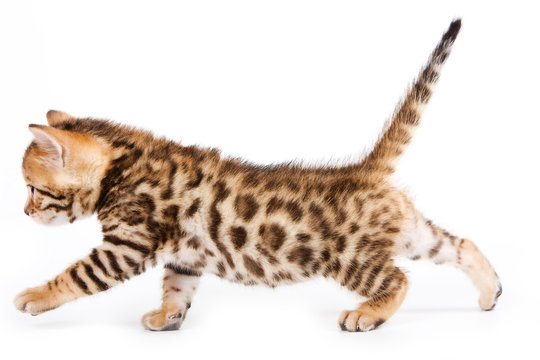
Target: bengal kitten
(198, 212)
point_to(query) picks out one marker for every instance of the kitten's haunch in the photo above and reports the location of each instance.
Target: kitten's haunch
(198, 212)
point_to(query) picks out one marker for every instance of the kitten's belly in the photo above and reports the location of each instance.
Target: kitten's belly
(208, 259)
(200, 253)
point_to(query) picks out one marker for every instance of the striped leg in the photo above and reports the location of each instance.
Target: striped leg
(421, 239)
(179, 285)
(386, 291)
(105, 267)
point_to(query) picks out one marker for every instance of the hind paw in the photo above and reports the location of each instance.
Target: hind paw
(358, 321)
(488, 300)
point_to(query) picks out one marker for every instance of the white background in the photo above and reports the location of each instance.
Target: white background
(271, 81)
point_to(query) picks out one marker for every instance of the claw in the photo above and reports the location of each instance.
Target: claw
(175, 316)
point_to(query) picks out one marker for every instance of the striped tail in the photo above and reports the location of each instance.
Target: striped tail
(399, 130)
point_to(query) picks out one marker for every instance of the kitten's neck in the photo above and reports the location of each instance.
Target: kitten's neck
(113, 175)
(133, 165)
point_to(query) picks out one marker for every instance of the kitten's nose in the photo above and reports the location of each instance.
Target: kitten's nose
(27, 212)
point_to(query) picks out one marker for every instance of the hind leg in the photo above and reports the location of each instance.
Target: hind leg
(421, 239)
(385, 288)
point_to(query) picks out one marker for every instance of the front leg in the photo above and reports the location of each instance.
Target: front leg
(179, 285)
(105, 267)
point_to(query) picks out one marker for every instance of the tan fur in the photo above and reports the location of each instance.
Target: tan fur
(198, 212)
(478, 268)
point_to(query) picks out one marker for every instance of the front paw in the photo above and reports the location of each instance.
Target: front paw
(35, 300)
(168, 318)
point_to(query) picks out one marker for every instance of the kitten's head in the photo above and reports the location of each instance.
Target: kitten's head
(62, 170)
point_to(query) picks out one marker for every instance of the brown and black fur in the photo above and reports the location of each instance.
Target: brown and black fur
(197, 212)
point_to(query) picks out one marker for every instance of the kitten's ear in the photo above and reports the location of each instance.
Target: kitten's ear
(56, 117)
(50, 143)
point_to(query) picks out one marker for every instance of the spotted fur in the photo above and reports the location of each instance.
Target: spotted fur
(198, 212)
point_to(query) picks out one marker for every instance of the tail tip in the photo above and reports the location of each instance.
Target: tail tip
(453, 30)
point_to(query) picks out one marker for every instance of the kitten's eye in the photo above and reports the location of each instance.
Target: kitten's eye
(32, 190)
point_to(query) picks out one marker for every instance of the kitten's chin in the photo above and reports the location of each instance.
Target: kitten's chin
(54, 220)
